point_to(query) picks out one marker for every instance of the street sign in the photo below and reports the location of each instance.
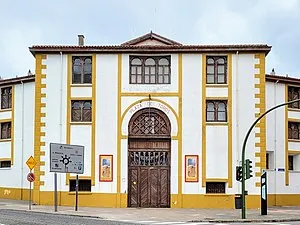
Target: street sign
(66, 158)
(30, 177)
(31, 163)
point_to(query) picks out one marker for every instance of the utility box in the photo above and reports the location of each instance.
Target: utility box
(238, 201)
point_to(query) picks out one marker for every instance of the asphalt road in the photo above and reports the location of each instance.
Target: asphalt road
(16, 217)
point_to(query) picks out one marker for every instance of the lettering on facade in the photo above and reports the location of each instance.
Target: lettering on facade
(158, 105)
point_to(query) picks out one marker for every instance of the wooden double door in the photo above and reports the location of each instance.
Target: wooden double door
(149, 173)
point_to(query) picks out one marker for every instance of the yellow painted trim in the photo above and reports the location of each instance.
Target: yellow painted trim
(261, 106)
(229, 119)
(214, 85)
(5, 140)
(5, 110)
(81, 177)
(174, 137)
(217, 180)
(286, 139)
(80, 193)
(152, 99)
(204, 119)
(39, 85)
(81, 85)
(119, 130)
(42, 153)
(180, 158)
(217, 123)
(257, 184)
(289, 109)
(218, 98)
(124, 136)
(81, 123)
(293, 152)
(82, 98)
(293, 140)
(293, 120)
(93, 140)
(146, 94)
(68, 119)
(5, 159)
(12, 152)
(5, 120)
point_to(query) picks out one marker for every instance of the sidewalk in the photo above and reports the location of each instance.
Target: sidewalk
(275, 214)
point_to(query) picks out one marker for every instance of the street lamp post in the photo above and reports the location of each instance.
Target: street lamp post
(244, 148)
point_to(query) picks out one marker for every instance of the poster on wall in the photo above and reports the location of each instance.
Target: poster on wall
(191, 168)
(106, 168)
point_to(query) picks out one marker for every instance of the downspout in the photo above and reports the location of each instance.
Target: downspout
(237, 110)
(275, 136)
(22, 143)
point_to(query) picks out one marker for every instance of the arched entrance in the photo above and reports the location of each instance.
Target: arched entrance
(149, 159)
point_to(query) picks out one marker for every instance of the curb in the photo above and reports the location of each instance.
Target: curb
(245, 220)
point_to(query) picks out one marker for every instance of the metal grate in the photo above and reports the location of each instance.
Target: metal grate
(215, 187)
(83, 185)
(5, 164)
(148, 158)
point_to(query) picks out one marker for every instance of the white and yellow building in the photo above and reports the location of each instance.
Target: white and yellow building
(162, 125)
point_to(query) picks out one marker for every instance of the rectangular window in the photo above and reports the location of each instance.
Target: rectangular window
(150, 70)
(216, 69)
(267, 161)
(6, 98)
(215, 187)
(293, 94)
(83, 185)
(81, 111)
(82, 70)
(291, 162)
(293, 130)
(216, 111)
(5, 130)
(5, 164)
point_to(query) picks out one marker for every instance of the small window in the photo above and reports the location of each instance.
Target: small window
(150, 70)
(6, 98)
(291, 162)
(5, 164)
(83, 185)
(293, 130)
(216, 111)
(81, 111)
(216, 70)
(293, 94)
(82, 70)
(5, 130)
(215, 187)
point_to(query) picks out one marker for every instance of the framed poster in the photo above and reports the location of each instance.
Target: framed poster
(106, 168)
(191, 168)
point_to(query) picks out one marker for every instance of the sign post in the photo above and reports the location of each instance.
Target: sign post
(30, 176)
(66, 159)
(264, 195)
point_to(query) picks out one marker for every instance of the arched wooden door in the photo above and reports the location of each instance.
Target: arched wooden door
(149, 159)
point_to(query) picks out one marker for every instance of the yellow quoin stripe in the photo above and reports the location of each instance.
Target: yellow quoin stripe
(203, 120)
(38, 134)
(261, 108)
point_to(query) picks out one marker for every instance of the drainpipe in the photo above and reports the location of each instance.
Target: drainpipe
(275, 137)
(22, 142)
(237, 110)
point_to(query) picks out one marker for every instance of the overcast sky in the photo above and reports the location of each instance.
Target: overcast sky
(32, 22)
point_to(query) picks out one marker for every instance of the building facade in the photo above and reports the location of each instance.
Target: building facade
(162, 125)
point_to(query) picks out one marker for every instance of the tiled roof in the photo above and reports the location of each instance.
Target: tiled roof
(149, 48)
(151, 36)
(282, 79)
(17, 80)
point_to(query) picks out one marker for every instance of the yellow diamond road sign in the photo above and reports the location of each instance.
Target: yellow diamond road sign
(31, 163)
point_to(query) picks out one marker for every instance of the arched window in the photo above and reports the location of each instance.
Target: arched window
(81, 111)
(150, 70)
(163, 71)
(216, 111)
(216, 70)
(82, 70)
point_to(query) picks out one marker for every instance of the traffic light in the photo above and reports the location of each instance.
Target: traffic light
(248, 169)
(238, 173)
